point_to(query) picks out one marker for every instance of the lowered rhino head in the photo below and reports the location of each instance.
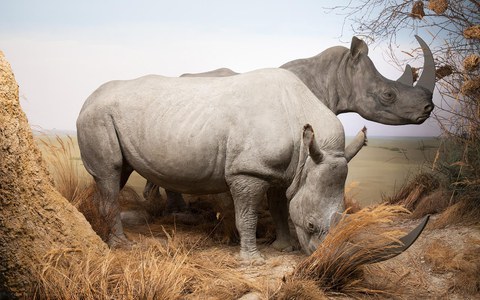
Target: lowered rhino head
(317, 190)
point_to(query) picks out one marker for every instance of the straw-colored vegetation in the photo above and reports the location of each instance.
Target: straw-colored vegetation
(170, 260)
(338, 265)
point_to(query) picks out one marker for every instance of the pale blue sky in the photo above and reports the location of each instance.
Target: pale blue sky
(61, 51)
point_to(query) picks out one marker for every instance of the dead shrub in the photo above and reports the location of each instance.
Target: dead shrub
(412, 192)
(470, 86)
(417, 10)
(438, 6)
(338, 265)
(465, 211)
(443, 71)
(471, 62)
(472, 32)
(433, 203)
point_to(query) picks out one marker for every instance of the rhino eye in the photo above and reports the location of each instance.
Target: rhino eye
(388, 96)
(310, 227)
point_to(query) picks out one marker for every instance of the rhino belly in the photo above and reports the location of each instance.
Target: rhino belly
(187, 156)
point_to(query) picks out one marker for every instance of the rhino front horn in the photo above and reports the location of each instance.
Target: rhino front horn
(395, 249)
(427, 80)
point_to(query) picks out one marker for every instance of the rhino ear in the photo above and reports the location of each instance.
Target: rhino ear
(310, 143)
(358, 48)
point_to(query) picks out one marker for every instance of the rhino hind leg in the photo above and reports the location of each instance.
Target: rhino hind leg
(175, 203)
(247, 193)
(103, 159)
(278, 207)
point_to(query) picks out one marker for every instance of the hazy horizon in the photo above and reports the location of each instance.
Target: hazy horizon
(61, 52)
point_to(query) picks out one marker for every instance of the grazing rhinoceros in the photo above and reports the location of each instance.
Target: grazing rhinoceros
(241, 134)
(346, 80)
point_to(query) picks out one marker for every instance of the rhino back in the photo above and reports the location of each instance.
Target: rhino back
(181, 132)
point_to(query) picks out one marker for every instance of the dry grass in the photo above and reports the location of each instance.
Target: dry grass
(338, 265)
(466, 211)
(59, 153)
(463, 263)
(152, 270)
(413, 195)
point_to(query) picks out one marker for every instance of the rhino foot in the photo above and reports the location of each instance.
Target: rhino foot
(251, 259)
(282, 245)
(119, 242)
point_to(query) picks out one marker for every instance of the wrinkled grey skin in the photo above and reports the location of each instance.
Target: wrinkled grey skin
(241, 134)
(346, 80)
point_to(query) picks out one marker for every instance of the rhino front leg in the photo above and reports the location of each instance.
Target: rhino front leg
(247, 193)
(278, 207)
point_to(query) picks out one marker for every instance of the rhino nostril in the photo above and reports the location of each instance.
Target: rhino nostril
(428, 108)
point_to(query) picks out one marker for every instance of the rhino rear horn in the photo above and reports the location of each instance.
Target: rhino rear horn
(356, 145)
(407, 76)
(427, 80)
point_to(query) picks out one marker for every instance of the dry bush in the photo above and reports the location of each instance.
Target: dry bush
(438, 6)
(466, 211)
(417, 10)
(472, 32)
(151, 270)
(471, 62)
(411, 193)
(463, 263)
(338, 265)
(434, 203)
(443, 71)
(471, 86)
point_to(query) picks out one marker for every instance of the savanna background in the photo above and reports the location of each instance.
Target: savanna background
(392, 183)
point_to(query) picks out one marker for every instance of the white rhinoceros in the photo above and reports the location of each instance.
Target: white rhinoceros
(243, 133)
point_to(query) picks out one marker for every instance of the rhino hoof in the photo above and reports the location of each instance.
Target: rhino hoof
(247, 259)
(119, 242)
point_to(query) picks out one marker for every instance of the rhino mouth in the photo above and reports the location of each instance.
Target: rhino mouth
(422, 118)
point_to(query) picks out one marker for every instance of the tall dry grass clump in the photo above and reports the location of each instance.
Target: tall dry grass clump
(151, 270)
(422, 195)
(60, 154)
(71, 181)
(339, 263)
